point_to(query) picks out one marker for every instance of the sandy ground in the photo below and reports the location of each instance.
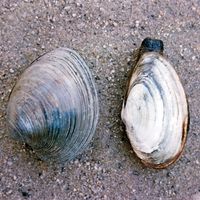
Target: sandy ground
(105, 33)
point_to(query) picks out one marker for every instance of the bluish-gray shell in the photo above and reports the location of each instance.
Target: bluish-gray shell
(54, 106)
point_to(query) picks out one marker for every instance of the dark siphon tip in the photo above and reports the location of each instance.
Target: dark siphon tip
(152, 45)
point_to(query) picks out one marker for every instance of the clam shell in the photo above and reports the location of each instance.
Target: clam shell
(155, 110)
(54, 106)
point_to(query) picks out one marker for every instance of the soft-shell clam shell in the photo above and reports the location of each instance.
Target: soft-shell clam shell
(54, 107)
(155, 109)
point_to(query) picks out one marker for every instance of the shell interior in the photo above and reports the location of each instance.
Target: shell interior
(155, 111)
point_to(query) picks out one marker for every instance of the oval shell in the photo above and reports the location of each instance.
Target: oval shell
(155, 110)
(54, 106)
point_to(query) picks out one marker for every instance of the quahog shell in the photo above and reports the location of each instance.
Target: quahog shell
(54, 106)
(155, 110)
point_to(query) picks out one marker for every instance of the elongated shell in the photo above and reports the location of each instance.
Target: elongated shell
(54, 106)
(155, 109)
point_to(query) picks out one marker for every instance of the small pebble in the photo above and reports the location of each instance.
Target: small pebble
(9, 192)
(9, 163)
(121, 70)
(67, 8)
(137, 23)
(11, 70)
(112, 71)
(14, 178)
(115, 24)
(76, 162)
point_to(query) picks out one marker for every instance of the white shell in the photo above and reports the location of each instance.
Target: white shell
(155, 111)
